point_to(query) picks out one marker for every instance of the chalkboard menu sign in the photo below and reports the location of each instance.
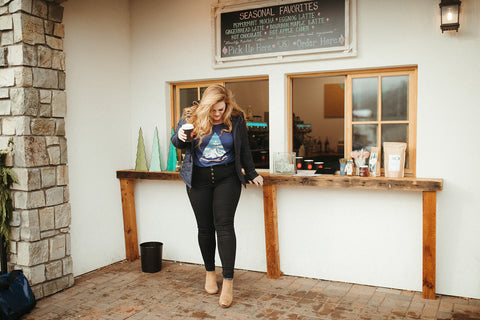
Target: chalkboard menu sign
(288, 28)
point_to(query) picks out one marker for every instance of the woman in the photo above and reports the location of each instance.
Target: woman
(212, 171)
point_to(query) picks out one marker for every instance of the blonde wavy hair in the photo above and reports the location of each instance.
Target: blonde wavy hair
(200, 114)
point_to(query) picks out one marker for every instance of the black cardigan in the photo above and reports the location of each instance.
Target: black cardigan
(243, 156)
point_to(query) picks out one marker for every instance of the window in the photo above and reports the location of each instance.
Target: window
(380, 106)
(318, 118)
(251, 94)
(184, 95)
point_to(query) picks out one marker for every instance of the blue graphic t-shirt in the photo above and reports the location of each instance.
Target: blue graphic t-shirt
(215, 149)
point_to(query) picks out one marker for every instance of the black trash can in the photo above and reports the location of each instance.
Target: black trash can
(151, 256)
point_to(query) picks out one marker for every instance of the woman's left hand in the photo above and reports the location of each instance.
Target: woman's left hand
(258, 181)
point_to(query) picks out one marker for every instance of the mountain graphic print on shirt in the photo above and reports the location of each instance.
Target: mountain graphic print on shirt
(214, 151)
(217, 148)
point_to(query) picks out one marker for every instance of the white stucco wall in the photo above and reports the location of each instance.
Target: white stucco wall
(119, 71)
(98, 127)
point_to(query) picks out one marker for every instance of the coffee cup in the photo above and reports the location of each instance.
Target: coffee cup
(308, 164)
(188, 129)
(299, 163)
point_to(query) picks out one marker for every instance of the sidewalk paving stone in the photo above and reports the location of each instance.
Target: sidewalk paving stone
(123, 291)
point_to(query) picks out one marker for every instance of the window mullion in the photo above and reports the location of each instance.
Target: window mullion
(379, 113)
(348, 117)
(395, 122)
(177, 106)
(365, 122)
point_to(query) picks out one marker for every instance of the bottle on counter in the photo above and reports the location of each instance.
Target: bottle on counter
(249, 113)
(349, 167)
(301, 151)
(327, 146)
(298, 163)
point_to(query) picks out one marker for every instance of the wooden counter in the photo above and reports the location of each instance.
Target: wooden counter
(428, 187)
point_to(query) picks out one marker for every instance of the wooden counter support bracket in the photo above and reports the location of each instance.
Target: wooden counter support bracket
(429, 240)
(271, 231)
(129, 219)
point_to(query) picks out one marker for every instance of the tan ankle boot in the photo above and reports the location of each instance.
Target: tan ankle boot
(211, 282)
(226, 297)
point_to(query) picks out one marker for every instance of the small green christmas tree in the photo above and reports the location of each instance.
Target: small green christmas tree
(156, 161)
(141, 162)
(172, 156)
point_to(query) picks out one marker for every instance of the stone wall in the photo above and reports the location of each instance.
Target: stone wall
(32, 111)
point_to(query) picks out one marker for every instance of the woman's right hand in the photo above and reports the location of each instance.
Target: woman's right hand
(181, 135)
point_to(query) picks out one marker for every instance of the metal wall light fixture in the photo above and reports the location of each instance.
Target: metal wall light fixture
(450, 15)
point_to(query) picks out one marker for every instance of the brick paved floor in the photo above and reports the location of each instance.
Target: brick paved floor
(122, 291)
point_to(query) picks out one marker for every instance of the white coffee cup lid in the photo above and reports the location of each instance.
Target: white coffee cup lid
(187, 126)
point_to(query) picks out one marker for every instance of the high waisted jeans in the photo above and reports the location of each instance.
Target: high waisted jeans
(214, 197)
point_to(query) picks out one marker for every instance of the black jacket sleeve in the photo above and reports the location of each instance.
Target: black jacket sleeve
(175, 140)
(245, 153)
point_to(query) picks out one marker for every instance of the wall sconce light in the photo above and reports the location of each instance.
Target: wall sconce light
(450, 15)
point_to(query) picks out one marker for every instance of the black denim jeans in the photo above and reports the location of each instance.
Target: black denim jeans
(214, 197)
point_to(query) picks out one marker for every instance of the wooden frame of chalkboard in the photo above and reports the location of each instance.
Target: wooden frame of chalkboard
(274, 31)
